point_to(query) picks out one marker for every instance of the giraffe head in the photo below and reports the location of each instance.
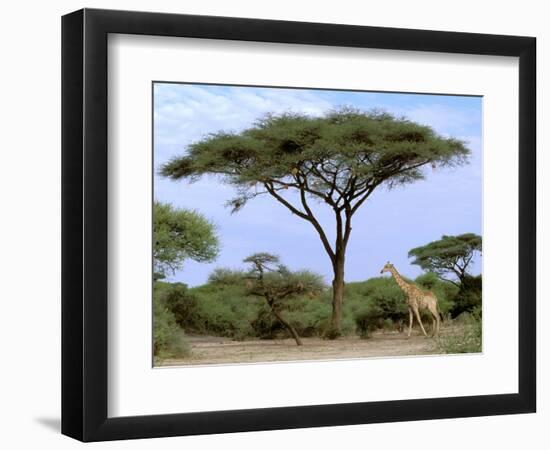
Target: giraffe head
(387, 267)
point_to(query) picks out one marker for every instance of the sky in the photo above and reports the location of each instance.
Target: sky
(385, 228)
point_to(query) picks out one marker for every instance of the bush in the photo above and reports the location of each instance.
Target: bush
(375, 303)
(307, 313)
(308, 316)
(470, 341)
(227, 277)
(221, 307)
(224, 310)
(224, 307)
(367, 321)
(179, 301)
(468, 297)
(265, 325)
(168, 337)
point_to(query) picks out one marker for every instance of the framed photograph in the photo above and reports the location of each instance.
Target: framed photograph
(273, 225)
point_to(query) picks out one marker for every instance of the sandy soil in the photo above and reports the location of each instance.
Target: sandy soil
(216, 350)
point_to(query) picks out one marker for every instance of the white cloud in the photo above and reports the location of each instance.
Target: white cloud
(186, 113)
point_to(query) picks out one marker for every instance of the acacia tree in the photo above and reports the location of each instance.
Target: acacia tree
(272, 281)
(180, 234)
(450, 255)
(338, 159)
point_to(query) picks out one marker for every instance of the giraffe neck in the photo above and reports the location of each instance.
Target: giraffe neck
(400, 281)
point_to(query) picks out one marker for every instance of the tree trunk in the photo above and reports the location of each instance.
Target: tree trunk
(289, 327)
(337, 298)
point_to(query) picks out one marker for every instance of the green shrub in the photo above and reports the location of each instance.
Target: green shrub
(219, 309)
(222, 307)
(168, 338)
(179, 301)
(308, 316)
(373, 304)
(469, 296)
(228, 277)
(388, 324)
(224, 310)
(367, 321)
(265, 325)
(470, 341)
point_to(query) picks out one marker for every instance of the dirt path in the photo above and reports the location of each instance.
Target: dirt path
(216, 350)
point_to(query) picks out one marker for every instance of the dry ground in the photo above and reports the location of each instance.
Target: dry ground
(218, 350)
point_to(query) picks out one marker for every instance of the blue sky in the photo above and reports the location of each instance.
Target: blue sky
(386, 227)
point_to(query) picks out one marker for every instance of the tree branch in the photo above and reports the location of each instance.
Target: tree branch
(286, 203)
(449, 281)
(306, 216)
(317, 226)
(367, 193)
(347, 228)
(297, 186)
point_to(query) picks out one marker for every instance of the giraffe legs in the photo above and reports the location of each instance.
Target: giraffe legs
(410, 322)
(434, 328)
(435, 321)
(417, 314)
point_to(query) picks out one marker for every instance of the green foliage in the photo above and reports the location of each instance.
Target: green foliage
(308, 315)
(168, 338)
(223, 310)
(181, 234)
(227, 277)
(468, 297)
(367, 321)
(265, 325)
(374, 302)
(348, 326)
(449, 255)
(225, 307)
(178, 300)
(212, 309)
(470, 338)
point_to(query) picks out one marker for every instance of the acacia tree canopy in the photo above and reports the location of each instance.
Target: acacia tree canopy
(337, 159)
(181, 234)
(450, 255)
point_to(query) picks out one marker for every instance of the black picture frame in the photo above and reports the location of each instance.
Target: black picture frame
(84, 224)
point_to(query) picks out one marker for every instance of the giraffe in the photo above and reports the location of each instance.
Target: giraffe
(416, 299)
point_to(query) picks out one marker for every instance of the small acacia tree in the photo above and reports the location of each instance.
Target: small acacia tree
(269, 279)
(338, 159)
(180, 234)
(450, 255)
